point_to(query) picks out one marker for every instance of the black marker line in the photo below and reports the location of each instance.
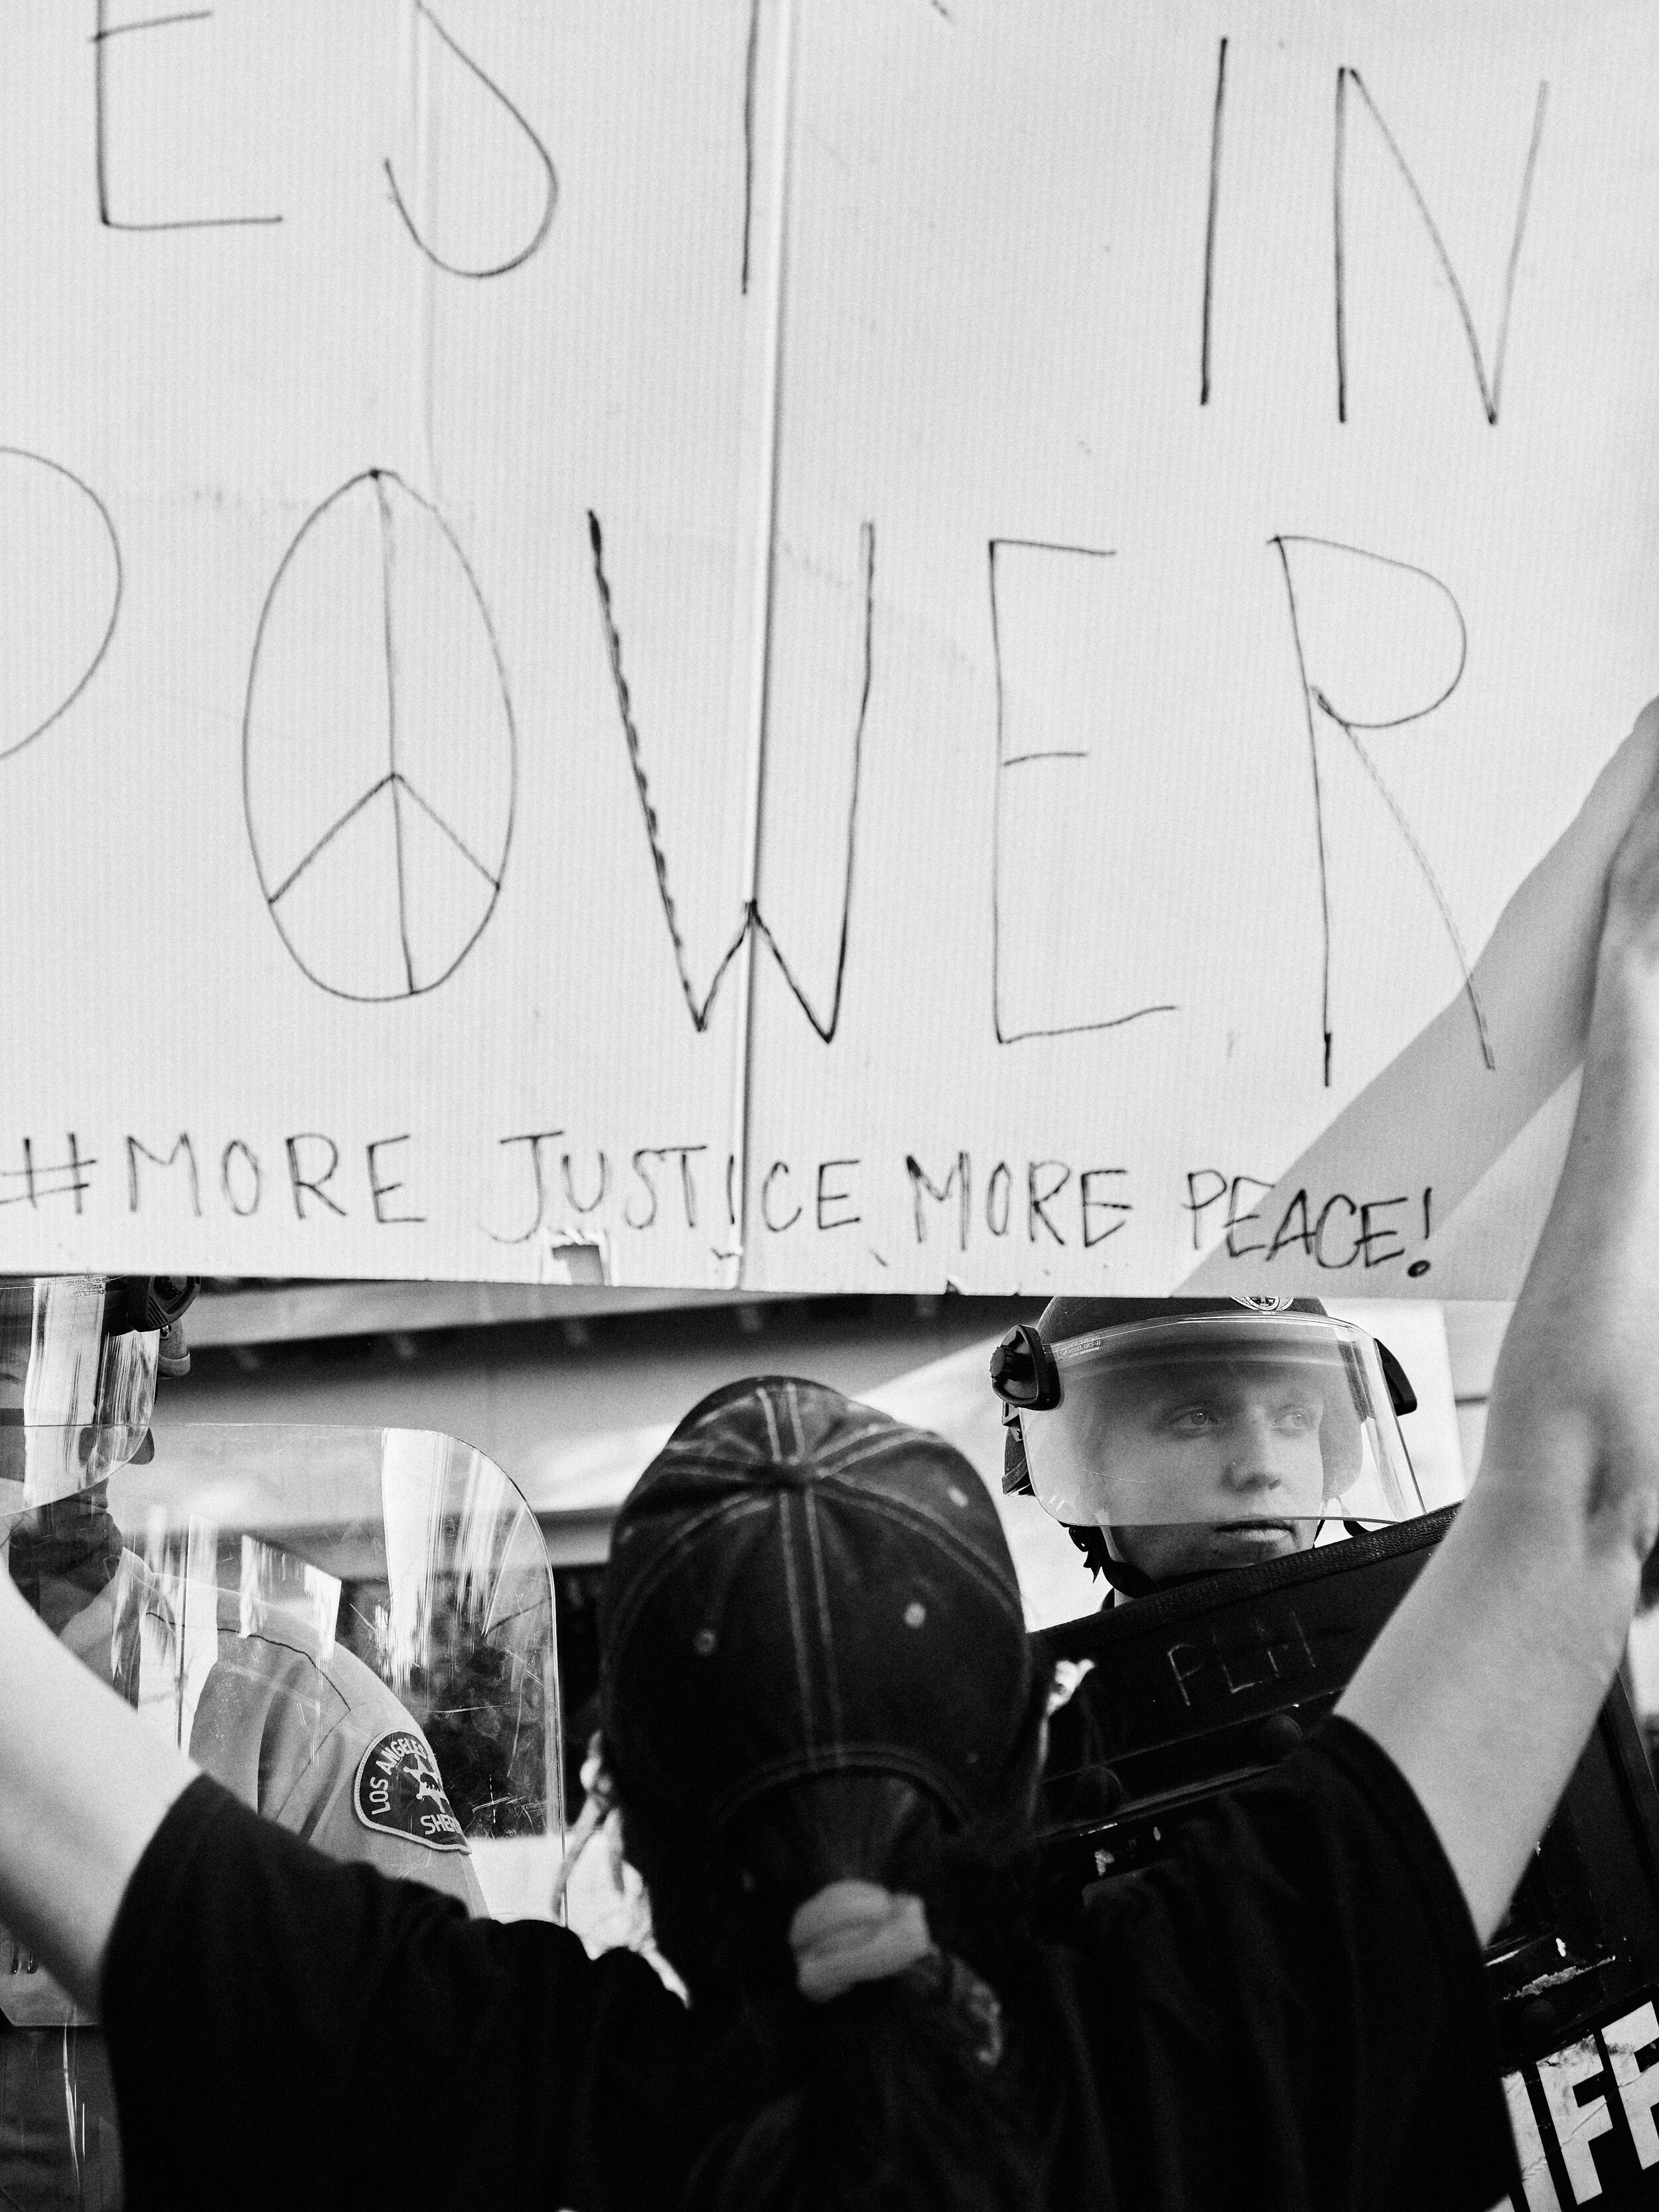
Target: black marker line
(1278, 544)
(751, 58)
(516, 260)
(996, 813)
(327, 838)
(1489, 392)
(31, 1176)
(1068, 1028)
(636, 762)
(1087, 1028)
(701, 1015)
(1339, 166)
(60, 1190)
(1409, 568)
(535, 1139)
(378, 478)
(1348, 730)
(193, 223)
(826, 1030)
(1515, 244)
(1018, 760)
(1209, 228)
(151, 23)
(103, 32)
(489, 621)
(385, 509)
(453, 836)
(22, 453)
(1314, 696)
(573, 1204)
(1053, 545)
(752, 919)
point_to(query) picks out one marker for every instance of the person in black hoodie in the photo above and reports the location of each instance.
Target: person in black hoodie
(823, 1727)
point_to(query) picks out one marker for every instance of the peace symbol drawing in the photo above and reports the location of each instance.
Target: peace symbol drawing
(378, 748)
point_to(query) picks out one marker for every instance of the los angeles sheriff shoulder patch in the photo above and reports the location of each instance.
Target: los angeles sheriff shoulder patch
(399, 1792)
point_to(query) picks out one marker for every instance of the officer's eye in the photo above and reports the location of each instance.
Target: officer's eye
(1191, 1420)
(1296, 1416)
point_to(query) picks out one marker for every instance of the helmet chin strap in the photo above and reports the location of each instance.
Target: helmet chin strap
(1123, 1575)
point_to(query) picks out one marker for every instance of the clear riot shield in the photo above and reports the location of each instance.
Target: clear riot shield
(352, 1629)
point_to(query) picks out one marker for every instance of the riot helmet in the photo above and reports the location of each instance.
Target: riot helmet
(1174, 1437)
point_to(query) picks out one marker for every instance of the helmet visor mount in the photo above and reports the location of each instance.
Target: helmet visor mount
(1255, 1428)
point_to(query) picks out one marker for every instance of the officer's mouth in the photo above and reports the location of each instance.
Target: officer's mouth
(1257, 1538)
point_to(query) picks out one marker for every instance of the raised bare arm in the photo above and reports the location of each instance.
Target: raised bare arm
(83, 1787)
(1486, 1683)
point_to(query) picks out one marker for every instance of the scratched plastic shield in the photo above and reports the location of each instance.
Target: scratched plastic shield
(351, 1629)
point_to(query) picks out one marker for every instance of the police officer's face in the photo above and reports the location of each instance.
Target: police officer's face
(1234, 1454)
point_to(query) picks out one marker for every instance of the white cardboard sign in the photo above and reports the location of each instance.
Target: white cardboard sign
(854, 643)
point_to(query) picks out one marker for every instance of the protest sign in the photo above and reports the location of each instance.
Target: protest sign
(868, 645)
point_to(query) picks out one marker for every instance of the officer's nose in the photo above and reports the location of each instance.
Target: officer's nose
(1251, 1466)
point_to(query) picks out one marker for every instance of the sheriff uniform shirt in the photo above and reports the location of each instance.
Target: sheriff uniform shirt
(1289, 2011)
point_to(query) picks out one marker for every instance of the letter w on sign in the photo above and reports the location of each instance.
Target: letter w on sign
(853, 681)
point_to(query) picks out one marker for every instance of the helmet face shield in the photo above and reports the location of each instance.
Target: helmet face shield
(1248, 1432)
(75, 1403)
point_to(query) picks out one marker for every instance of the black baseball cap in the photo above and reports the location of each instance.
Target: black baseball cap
(799, 1585)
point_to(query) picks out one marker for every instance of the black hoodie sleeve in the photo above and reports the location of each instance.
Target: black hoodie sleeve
(284, 2029)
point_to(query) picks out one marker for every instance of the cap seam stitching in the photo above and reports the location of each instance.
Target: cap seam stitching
(831, 1676)
(793, 1399)
(871, 1754)
(796, 1631)
(773, 1436)
(651, 1577)
(939, 1531)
